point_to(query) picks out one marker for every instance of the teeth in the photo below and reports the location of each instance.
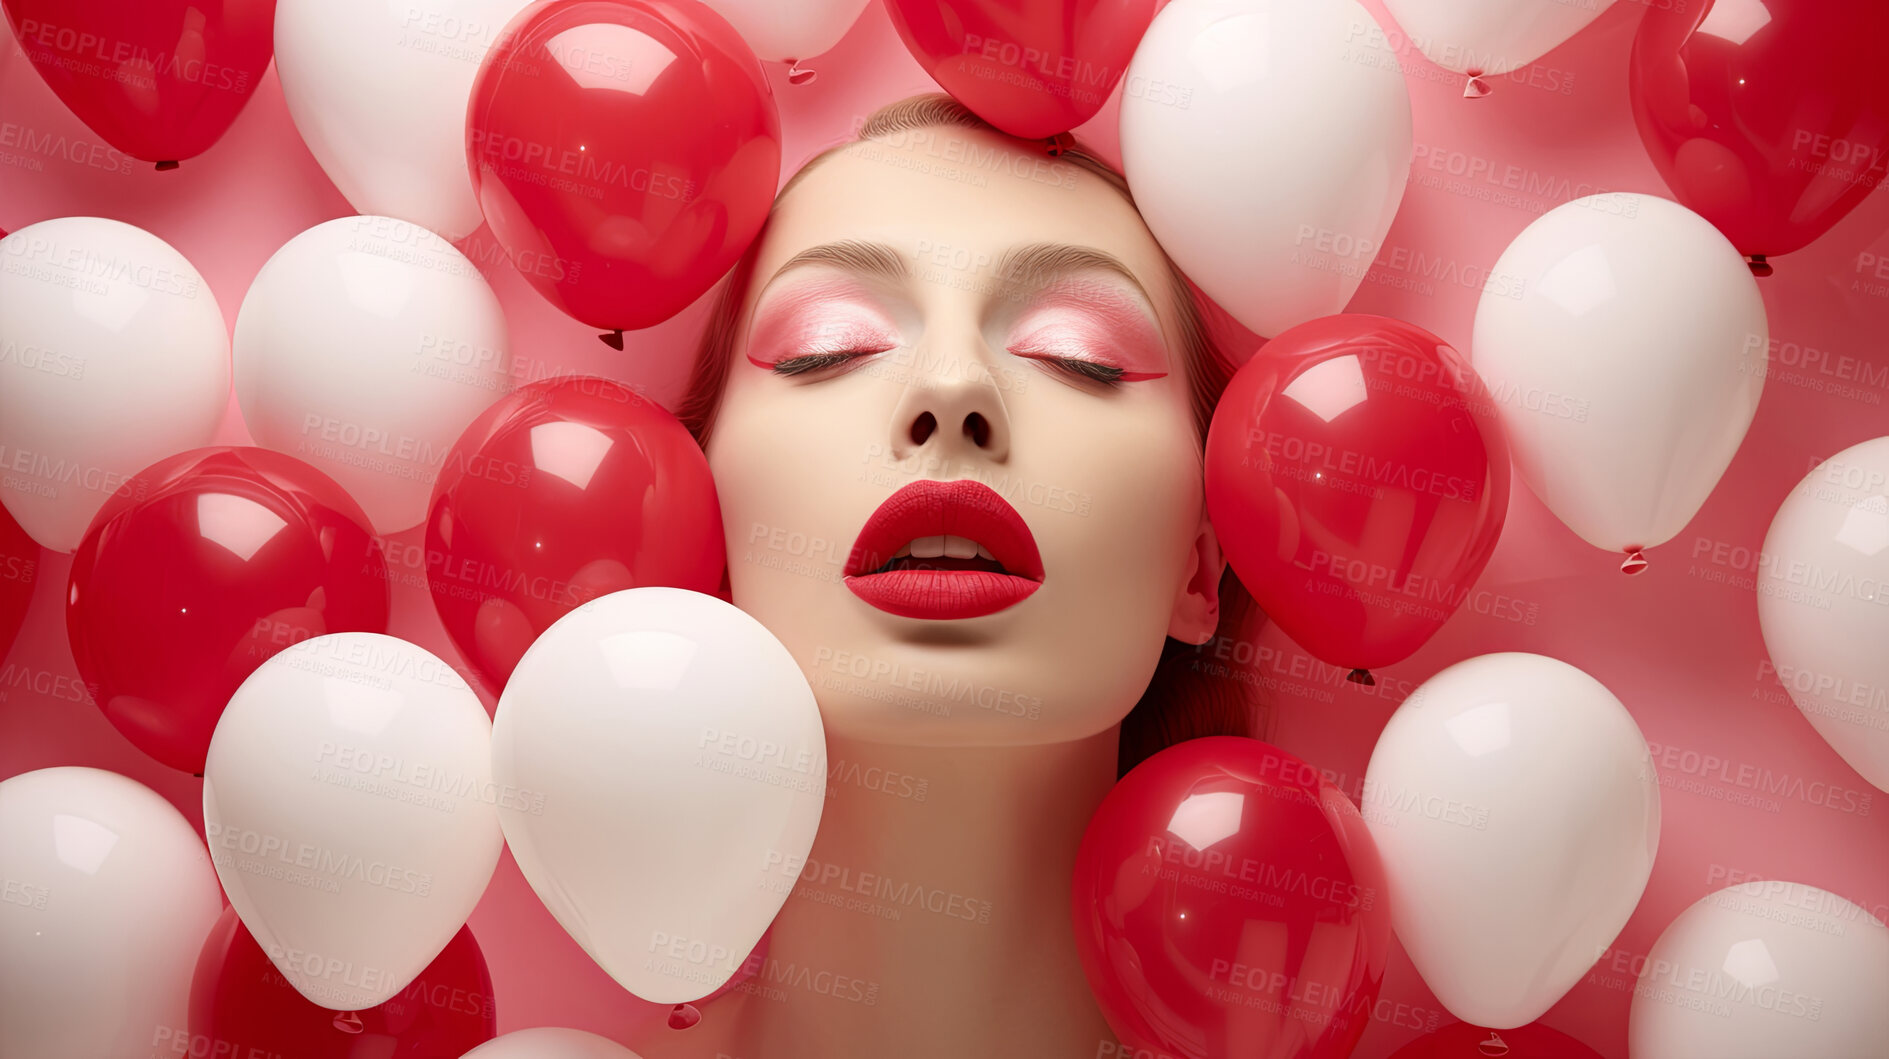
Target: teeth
(943, 545)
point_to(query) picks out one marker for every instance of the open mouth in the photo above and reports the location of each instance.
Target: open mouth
(944, 550)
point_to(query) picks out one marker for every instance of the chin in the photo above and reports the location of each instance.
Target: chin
(983, 682)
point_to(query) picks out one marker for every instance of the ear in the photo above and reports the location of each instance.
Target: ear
(1197, 603)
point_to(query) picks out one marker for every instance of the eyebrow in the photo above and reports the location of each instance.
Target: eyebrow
(1038, 263)
(1030, 265)
(854, 255)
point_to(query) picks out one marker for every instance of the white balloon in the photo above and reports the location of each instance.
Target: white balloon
(682, 767)
(351, 815)
(108, 897)
(378, 91)
(113, 355)
(1267, 143)
(1489, 37)
(1823, 603)
(1625, 353)
(1761, 970)
(365, 347)
(550, 1042)
(785, 30)
(1516, 809)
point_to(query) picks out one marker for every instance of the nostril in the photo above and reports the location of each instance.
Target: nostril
(922, 427)
(977, 428)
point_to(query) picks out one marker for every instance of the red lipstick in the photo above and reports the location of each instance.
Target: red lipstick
(1003, 570)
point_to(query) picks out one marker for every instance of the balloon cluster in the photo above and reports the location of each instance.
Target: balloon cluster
(227, 605)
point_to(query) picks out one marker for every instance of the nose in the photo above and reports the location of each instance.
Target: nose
(951, 409)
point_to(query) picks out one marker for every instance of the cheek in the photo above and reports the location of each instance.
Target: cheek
(1125, 492)
(788, 471)
(748, 454)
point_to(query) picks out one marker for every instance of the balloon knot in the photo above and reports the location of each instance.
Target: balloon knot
(1633, 563)
(1361, 676)
(1759, 266)
(798, 74)
(348, 1022)
(1060, 144)
(1475, 87)
(162, 166)
(613, 339)
(682, 1016)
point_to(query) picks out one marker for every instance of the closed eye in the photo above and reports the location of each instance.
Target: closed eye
(1107, 374)
(807, 363)
(1080, 367)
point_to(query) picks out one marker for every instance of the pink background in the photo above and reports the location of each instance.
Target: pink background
(1678, 644)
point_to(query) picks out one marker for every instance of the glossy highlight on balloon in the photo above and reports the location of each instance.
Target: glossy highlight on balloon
(240, 1004)
(350, 812)
(625, 153)
(365, 346)
(1627, 342)
(1763, 968)
(1032, 70)
(1517, 811)
(637, 723)
(200, 569)
(1229, 901)
(378, 93)
(566, 490)
(1276, 211)
(1823, 604)
(116, 356)
(1770, 118)
(108, 894)
(160, 80)
(1358, 479)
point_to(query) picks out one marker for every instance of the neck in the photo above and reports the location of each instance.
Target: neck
(933, 915)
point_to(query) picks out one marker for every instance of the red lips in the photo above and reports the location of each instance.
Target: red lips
(944, 587)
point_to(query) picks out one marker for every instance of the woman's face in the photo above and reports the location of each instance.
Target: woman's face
(988, 333)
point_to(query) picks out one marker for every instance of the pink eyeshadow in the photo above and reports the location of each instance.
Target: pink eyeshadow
(1099, 325)
(818, 317)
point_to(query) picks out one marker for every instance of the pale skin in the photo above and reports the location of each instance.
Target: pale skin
(933, 915)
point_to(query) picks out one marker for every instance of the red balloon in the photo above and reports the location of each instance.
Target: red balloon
(1460, 1040)
(160, 80)
(240, 1006)
(565, 490)
(19, 568)
(625, 153)
(1032, 70)
(1229, 902)
(197, 571)
(1357, 478)
(1770, 118)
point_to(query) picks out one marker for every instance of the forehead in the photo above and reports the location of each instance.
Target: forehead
(953, 200)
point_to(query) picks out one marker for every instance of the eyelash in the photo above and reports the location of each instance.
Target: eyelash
(1089, 370)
